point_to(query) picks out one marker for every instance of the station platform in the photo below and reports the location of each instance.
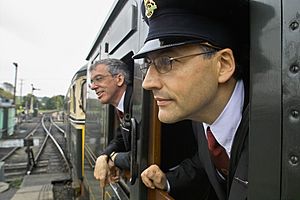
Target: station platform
(38, 187)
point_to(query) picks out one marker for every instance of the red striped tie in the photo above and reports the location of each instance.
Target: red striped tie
(120, 114)
(218, 153)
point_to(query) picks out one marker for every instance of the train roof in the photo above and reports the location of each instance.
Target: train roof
(115, 9)
(81, 72)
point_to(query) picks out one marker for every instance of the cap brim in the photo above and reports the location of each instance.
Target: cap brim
(158, 45)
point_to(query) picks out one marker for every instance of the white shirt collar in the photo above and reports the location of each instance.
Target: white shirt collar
(120, 106)
(226, 125)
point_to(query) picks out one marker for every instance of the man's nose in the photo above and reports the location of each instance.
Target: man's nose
(152, 79)
(92, 86)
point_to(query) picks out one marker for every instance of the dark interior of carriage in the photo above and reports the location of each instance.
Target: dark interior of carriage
(177, 143)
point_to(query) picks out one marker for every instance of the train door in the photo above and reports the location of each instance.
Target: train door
(120, 37)
(96, 137)
(167, 145)
(116, 39)
(274, 171)
(152, 142)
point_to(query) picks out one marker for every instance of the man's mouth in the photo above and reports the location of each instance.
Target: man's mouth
(99, 94)
(162, 101)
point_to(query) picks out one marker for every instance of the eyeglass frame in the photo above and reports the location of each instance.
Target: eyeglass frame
(144, 69)
(100, 78)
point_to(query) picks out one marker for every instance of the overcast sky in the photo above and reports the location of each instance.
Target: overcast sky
(49, 39)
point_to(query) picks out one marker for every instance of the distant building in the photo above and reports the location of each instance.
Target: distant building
(6, 94)
(5, 102)
(8, 87)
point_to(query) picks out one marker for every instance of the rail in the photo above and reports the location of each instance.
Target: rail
(60, 129)
(49, 135)
(16, 148)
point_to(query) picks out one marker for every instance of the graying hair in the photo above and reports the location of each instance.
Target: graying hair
(115, 66)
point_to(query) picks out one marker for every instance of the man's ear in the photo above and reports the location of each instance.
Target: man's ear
(120, 79)
(226, 65)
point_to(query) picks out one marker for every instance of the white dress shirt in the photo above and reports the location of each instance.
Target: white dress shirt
(226, 125)
(120, 106)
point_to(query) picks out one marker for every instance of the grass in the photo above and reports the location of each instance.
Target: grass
(16, 183)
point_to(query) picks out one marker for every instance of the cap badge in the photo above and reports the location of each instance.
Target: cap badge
(150, 6)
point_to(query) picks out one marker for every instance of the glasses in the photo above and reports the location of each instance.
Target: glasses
(163, 64)
(99, 79)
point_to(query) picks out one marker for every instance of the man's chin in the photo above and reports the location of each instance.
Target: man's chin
(103, 101)
(168, 118)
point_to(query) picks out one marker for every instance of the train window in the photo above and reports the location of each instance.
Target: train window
(83, 95)
(123, 27)
(173, 138)
(114, 125)
(166, 142)
(73, 101)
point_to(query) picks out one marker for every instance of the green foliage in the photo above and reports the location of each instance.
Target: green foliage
(44, 103)
(16, 183)
(5, 94)
(55, 102)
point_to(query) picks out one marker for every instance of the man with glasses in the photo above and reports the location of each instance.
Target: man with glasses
(111, 80)
(196, 66)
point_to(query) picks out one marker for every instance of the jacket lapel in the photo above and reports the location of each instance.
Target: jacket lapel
(207, 163)
(238, 169)
(127, 99)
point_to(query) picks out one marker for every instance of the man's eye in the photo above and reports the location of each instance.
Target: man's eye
(163, 61)
(147, 61)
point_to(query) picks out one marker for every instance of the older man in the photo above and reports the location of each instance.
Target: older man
(112, 82)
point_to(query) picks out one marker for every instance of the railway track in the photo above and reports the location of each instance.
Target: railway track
(45, 157)
(11, 151)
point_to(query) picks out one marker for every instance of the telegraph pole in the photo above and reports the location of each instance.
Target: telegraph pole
(31, 101)
(16, 71)
(21, 86)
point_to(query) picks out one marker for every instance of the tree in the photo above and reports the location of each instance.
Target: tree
(55, 102)
(5, 94)
(59, 102)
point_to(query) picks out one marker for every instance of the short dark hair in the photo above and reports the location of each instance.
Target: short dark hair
(115, 66)
(241, 61)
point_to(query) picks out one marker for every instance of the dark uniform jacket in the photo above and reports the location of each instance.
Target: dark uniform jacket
(199, 171)
(122, 139)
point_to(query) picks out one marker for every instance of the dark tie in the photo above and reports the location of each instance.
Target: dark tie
(218, 154)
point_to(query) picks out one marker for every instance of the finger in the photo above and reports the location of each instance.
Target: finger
(151, 172)
(107, 181)
(148, 183)
(146, 180)
(103, 177)
(117, 172)
(155, 175)
(158, 177)
(114, 179)
(100, 168)
(114, 174)
(102, 183)
(111, 163)
(97, 171)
